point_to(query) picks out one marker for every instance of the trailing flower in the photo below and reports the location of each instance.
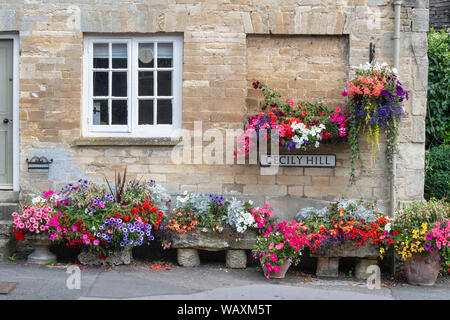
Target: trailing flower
(34, 218)
(343, 221)
(299, 126)
(421, 228)
(87, 214)
(197, 210)
(284, 242)
(375, 98)
(263, 217)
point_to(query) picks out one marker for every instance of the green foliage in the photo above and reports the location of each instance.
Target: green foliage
(438, 115)
(437, 176)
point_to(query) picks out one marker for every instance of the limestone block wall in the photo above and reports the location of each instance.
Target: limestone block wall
(226, 44)
(439, 14)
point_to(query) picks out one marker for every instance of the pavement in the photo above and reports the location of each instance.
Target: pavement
(212, 281)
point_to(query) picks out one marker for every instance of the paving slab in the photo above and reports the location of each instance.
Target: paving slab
(212, 281)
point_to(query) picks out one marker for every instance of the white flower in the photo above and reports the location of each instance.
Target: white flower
(387, 227)
(37, 199)
(317, 144)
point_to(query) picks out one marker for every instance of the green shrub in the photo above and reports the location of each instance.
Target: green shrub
(438, 114)
(437, 177)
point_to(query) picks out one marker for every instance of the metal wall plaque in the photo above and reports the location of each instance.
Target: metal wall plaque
(298, 160)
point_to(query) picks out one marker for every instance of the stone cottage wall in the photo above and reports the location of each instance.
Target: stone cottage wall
(302, 48)
(439, 14)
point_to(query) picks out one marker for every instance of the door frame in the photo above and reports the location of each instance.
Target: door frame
(16, 97)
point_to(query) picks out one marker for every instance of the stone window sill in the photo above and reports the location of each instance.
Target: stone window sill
(99, 142)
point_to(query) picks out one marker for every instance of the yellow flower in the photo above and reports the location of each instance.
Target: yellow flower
(424, 226)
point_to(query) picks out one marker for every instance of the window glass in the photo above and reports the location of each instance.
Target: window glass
(146, 83)
(119, 56)
(146, 55)
(164, 112)
(164, 83)
(165, 55)
(100, 112)
(145, 112)
(101, 84)
(119, 84)
(119, 110)
(101, 56)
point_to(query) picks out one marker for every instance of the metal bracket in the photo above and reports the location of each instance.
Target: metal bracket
(39, 163)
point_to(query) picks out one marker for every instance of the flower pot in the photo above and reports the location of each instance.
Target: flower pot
(280, 275)
(41, 253)
(422, 270)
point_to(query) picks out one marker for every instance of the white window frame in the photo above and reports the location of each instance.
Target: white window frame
(133, 129)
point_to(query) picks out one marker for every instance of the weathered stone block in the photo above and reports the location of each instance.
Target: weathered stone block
(207, 239)
(236, 259)
(361, 268)
(5, 249)
(89, 257)
(348, 249)
(327, 267)
(188, 257)
(420, 19)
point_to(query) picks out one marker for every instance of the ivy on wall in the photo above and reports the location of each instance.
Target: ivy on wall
(438, 114)
(437, 159)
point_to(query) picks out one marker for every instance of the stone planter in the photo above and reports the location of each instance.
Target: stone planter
(206, 239)
(41, 253)
(283, 269)
(423, 270)
(91, 258)
(328, 261)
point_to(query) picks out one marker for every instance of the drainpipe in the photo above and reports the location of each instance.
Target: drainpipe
(397, 9)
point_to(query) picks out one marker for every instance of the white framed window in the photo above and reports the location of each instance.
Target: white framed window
(132, 86)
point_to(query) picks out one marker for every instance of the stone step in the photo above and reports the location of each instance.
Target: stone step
(6, 208)
(9, 196)
(5, 229)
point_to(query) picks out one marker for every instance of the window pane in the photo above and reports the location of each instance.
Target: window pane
(100, 84)
(100, 112)
(164, 83)
(146, 55)
(101, 55)
(165, 55)
(119, 111)
(146, 83)
(145, 112)
(164, 114)
(119, 84)
(119, 55)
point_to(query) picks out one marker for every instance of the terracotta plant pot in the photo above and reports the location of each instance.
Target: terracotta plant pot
(41, 253)
(283, 269)
(423, 270)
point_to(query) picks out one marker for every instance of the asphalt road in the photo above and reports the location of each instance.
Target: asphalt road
(211, 281)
